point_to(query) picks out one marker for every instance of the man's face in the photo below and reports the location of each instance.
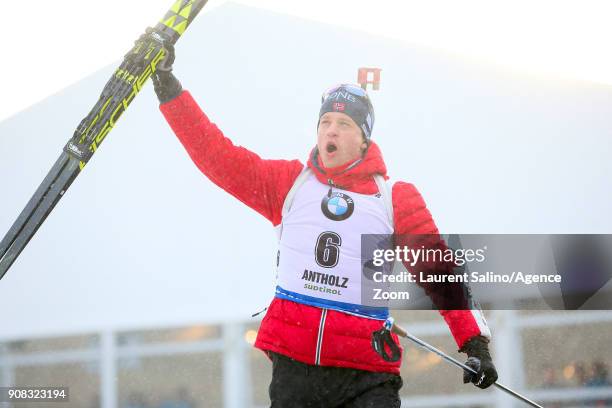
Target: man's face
(339, 139)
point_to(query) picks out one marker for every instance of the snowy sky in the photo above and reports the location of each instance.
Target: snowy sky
(49, 45)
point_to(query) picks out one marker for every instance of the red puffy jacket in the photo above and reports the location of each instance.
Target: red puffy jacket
(308, 334)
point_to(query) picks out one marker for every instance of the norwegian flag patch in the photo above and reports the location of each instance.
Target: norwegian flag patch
(339, 106)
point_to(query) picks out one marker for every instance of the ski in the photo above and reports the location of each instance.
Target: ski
(126, 82)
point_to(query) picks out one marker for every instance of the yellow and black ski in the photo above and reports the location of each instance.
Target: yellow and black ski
(118, 93)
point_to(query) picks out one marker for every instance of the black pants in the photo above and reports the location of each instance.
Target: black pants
(299, 385)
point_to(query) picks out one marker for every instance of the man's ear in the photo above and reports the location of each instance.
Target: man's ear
(364, 147)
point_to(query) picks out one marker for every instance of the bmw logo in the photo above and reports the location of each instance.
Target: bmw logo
(338, 206)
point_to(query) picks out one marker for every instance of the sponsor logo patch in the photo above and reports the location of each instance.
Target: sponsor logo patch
(338, 207)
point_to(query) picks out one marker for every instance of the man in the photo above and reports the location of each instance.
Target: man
(317, 335)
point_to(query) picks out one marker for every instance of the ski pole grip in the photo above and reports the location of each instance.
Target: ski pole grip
(399, 331)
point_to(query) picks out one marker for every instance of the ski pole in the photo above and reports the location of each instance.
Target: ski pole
(391, 326)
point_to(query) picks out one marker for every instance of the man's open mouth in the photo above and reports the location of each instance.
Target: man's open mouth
(331, 147)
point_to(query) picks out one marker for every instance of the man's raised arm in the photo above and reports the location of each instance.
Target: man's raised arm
(260, 184)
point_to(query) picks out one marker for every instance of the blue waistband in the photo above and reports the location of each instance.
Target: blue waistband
(378, 313)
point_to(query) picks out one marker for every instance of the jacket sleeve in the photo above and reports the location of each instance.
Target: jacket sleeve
(415, 228)
(260, 184)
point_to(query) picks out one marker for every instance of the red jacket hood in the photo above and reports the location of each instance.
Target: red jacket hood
(356, 176)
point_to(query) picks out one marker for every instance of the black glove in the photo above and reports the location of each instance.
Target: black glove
(477, 349)
(166, 86)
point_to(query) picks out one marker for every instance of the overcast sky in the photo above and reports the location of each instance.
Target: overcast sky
(49, 45)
